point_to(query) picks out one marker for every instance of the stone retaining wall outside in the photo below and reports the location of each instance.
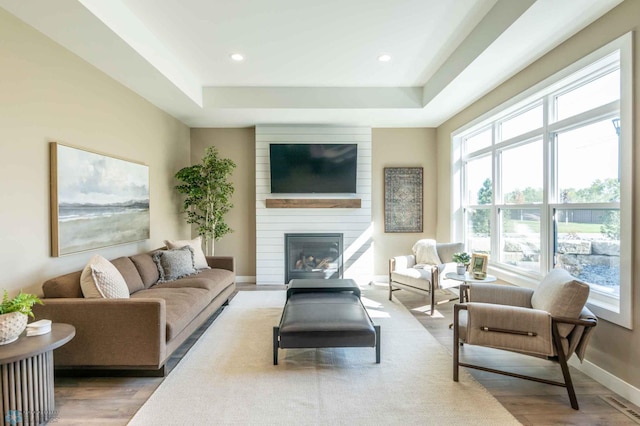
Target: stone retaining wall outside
(575, 252)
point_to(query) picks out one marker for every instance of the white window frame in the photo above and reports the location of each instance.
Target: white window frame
(616, 310)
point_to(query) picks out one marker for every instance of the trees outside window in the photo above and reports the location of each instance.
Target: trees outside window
(541, 183)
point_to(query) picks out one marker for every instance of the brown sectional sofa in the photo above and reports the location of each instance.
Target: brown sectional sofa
(139, 333)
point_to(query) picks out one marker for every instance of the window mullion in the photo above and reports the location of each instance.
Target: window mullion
(523, 138)
(497, 194)
(586, 206)
(609, 110)
(573, 149)
(548, 182)
(606, 69)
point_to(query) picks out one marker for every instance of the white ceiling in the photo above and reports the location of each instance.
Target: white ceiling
(310, 61)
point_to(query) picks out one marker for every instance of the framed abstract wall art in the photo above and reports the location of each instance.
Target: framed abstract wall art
(403, 199)
(96, 200)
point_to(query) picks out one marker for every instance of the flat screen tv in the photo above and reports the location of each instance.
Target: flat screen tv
(313, 168)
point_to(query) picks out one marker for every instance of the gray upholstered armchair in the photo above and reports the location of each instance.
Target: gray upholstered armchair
(407, 273)
(550, 322)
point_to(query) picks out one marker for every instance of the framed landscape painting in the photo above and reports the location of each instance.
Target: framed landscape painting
(403, 199)
(96, 200)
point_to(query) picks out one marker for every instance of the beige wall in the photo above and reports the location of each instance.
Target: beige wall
(240, 146)
(49, 94)
(415, 147)
(613, 348)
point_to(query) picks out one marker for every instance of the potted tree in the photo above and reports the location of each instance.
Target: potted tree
(13, 315)
(208, 194)
(462, 259)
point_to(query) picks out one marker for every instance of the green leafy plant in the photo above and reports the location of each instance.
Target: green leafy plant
(208, 195)
(22, 303)
(462, 257)
(611, 225)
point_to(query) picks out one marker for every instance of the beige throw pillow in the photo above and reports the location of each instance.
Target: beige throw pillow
(196, 244)
(100, 279)
(561, 295)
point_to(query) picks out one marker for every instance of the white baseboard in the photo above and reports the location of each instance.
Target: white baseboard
(381, 278)
(245, 279)
(616, 384)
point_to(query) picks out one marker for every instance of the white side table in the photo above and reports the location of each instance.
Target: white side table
(468, 278)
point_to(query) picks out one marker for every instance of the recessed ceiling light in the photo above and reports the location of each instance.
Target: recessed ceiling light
(237, 57)
(384, 58)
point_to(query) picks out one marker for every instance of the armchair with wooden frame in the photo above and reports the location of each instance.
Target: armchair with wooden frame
(408, 273)
(549, 322)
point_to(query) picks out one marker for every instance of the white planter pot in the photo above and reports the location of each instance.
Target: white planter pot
(11, 325)
(461, 269)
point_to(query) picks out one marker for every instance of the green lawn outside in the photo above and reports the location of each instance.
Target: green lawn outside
(579, 228)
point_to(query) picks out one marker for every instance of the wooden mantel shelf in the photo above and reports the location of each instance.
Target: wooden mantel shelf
(313, 203)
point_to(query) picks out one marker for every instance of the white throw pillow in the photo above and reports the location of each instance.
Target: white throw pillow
(425, 252)
(199, 259)
(100, 279)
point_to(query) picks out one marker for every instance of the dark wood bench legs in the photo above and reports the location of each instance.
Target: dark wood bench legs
(377, 328)
(276, 344)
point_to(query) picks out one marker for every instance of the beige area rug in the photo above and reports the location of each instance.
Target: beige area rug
(228, 376)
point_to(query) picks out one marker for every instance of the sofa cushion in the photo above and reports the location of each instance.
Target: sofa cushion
(224, 276)
(175, 263)
(214, 280)
(100, 279)
(561, 295)
(65, 286)
(182, 305)
(199, 259)
(146, 268)
(129, 273)
(418, 278)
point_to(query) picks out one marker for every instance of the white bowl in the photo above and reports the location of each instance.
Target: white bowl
(11, 325)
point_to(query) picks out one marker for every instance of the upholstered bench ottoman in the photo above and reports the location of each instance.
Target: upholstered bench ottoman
(324, 314)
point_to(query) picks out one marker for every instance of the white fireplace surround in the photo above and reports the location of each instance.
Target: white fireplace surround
(272, 223)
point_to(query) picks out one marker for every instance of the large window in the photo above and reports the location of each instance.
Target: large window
(546, 181)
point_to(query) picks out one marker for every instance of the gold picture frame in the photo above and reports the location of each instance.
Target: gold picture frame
(479, 262)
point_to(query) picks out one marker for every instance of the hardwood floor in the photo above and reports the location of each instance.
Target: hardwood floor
(114, 400)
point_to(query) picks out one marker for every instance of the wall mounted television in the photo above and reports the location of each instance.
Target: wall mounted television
(313, 168)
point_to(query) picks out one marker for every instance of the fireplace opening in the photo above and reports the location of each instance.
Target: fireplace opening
(313, 256)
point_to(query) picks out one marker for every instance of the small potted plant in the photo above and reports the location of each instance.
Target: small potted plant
(462, 259)
(13, 315)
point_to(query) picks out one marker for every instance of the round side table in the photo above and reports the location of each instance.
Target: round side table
(468, 278)
(26, 368)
